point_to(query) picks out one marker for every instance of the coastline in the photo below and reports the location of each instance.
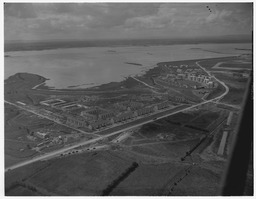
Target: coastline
(41, 46)
(96, 65)
(116, 85)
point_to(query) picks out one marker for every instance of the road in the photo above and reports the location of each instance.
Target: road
(58, 152)
(154, 89)
(221, 82)
(217, 66)
(143, 83)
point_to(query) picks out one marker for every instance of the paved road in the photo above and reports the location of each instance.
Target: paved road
(221, 82)
(60, 151)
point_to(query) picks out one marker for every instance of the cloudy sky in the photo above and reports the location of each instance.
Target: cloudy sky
(43, 21)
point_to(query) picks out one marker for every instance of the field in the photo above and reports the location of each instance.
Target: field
(200, 182)
(237, 88)
(164, 150)
(204, 120)
(208, 64)
(147, 180)
(17, 146)
(236, 85)
(179, 126)
(18, 126)
(88, 174)
(236, 65)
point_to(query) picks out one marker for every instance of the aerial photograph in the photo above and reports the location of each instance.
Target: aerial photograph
(128, 99)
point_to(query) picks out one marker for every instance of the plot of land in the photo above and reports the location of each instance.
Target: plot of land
(85, 174)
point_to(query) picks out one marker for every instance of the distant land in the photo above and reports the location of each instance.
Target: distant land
(136, 64)
(20, 45)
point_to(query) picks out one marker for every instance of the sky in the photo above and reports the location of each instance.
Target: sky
(68, 21)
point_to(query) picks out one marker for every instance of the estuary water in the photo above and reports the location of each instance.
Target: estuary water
(93, 66)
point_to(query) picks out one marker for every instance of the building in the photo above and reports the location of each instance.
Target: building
(58, 117)
(124, 116)
(99, 124)
(134, 106)
(162, 105)
(182, 76)
(42, 135)
(145, 111)
(179, 70)
(177, 98)
(52, 102)
(87, 116)
(76, 121)
(104, 116)
(96, 113)
(63, 105)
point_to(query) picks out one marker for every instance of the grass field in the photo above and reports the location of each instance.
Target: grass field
(205, 120)
(208, 64)
(16, 143)
(175, 125)
(22, 191)
(85, 174)
(147, 180)
(200, 182)
(236, 65)
(236, 88)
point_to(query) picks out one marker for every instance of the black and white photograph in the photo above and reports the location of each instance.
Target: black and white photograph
(127, 98)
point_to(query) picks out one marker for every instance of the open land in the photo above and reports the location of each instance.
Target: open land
(168, 121)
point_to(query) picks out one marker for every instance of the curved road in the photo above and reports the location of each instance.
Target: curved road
(60, 151)
(221, 82)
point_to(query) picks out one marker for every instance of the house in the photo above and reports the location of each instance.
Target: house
(42, 135)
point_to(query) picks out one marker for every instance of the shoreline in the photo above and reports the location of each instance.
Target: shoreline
(43, 87)
(38, 48)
